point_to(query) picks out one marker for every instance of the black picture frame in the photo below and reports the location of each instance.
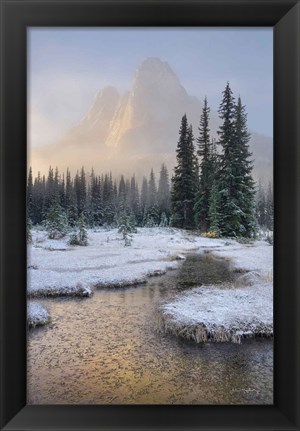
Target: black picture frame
(16, 16)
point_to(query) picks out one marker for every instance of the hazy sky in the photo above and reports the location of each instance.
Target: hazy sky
(66, 67)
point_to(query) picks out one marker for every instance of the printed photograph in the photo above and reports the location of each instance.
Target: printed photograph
(150, 216)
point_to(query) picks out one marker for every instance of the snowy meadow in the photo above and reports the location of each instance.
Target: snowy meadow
(159, 288)
(223, 312)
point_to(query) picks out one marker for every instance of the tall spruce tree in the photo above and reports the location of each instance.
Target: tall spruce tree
(77, 190)
(152, 190)
(270, 208)
(213, 211)
(28, 228)
(144, 201)
(50, 196)
(38, 198)
(96, 212)
(229, 211)
(144, 194)
(184, 181)
(236, 186)
(206, 171)
(134, 200)
(260, 207)
(127, 193)
(109, 205)
(69, 188)
(122, 192)
(82, 192)
(214, 198)
(245, 186)
(56, 183)
(151, 216)
(163, 192)
(62, 191)
(30, 208)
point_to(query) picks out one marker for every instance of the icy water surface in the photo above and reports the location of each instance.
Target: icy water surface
(105, 349)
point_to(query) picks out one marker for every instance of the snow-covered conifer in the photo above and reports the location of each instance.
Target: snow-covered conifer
(206, 171)
(163, 192)
(152, 190)
(213, 210)
(184, 181)
(28, 230)
(126, 228)
(244, 183)
(236, 186)
(270, 208)
(56, 222)
(163, 220)
(82, 234)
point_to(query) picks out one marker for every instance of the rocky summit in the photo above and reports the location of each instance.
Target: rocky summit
(137, 130)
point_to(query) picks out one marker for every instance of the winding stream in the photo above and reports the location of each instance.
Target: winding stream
(105, 349)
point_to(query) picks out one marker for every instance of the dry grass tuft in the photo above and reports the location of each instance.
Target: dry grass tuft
(79, 291)
(199, 333)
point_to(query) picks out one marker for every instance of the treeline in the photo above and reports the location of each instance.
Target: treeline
(99, 199)
(212, 187)
(264, 209)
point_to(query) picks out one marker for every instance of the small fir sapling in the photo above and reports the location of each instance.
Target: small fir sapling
(163, 220)
(126, 227)
(80, 237)
(56, 222)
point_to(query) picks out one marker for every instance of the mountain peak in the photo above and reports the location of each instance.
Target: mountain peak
(153, 62)
(106, 93)
(106, 98)
(141, 124)
(154, 66)
(156, 82)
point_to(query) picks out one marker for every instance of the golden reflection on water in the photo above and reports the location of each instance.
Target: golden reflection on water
(105, 349)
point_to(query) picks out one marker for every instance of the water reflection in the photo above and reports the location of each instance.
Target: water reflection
(105, 349)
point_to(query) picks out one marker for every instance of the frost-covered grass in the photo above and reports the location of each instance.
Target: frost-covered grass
(37, 315)
(210, 313)
(232, 312)
(52, 284)
(57, 268)
(256, 257)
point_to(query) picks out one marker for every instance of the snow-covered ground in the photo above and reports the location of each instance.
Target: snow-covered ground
(56, 268)
(37, 315)
(218, 313)
(229, 312)
(256, 257)
(210, 313)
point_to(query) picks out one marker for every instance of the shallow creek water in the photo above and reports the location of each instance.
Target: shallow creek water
(106, 350)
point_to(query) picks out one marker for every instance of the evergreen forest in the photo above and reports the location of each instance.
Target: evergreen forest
(210, 190)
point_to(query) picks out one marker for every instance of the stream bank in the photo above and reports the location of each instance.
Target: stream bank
(106, 350)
